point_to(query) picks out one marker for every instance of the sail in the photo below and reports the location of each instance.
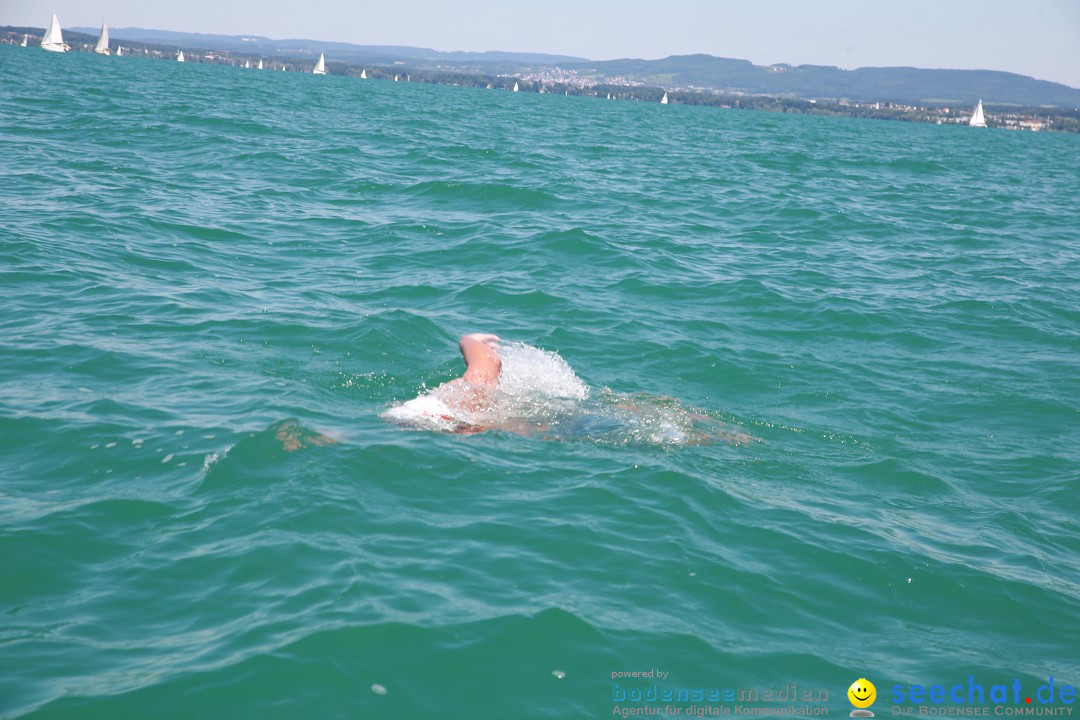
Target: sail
(102, 47)
(53, 40)
(977, 118)
(320, 67)
(260, 65)
(180, 56)
(119, 51)
(24, 39)
(515, 87)
(664, 100)
(363, 74)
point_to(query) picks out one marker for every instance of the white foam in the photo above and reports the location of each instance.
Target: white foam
(209, 460)
(529, 372)
(426, 411)
(538, 391)
(533, 383)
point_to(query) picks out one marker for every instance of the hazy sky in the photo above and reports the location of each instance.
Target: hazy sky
(1031, 37)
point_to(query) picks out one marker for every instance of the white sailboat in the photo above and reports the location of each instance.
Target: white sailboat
(102, 47)
(247, 64)
(320, 67)
(180, 56)
(396, 78)
(260, 67)
(24, 39)
(516, 88)
(977, 118)
(119, 51)
(53, 40)
(363, 74)
(664, 100)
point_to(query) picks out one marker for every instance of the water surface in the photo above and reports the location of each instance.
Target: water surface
(206, 271)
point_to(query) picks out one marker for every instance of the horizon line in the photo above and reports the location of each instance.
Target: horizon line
(80, 28)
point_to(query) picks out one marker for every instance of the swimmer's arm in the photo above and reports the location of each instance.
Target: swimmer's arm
(482, 363)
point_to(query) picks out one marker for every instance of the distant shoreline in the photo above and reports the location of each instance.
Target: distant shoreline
(559, 82)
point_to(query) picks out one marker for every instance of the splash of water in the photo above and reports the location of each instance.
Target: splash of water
(540, 394)
(534, 387)
(528, 371)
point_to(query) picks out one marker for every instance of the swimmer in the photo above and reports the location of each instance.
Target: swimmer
(481, 400)
(461, 405)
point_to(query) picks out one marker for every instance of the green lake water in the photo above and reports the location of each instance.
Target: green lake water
(216, 282)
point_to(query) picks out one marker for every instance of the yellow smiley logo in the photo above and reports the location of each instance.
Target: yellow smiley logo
(862, 694)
